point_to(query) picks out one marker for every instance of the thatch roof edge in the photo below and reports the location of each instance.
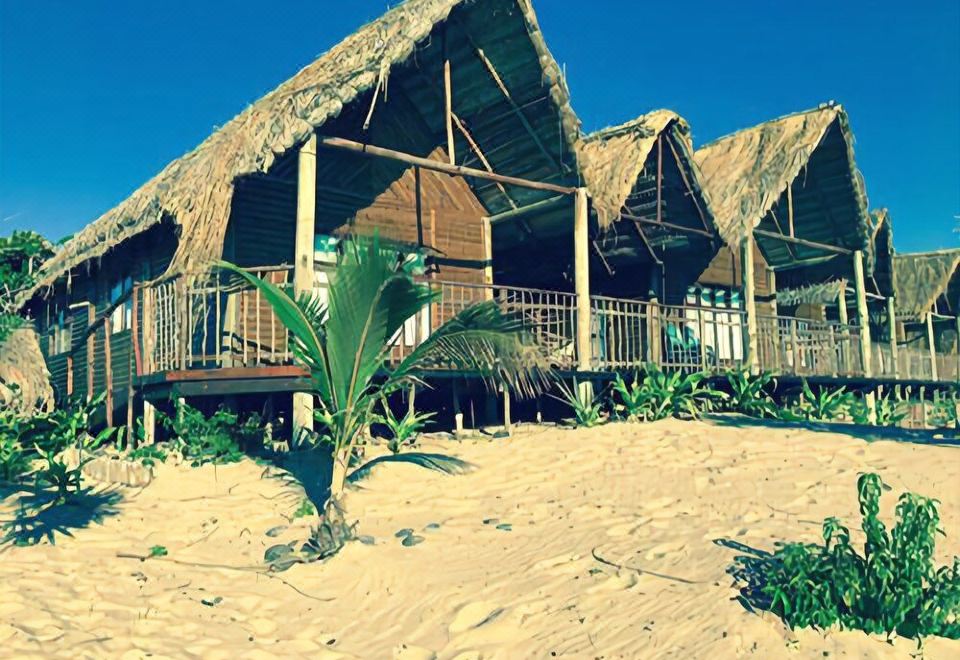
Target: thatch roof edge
(196, 190)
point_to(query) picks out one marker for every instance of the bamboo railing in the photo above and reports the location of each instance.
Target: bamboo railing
(209, 322)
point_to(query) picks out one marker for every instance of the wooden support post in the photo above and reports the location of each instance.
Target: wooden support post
(892, 328)
(303, 273)
(660, 178)
(845, 333)
(108, 368)
(412, 400)
(487, 252)
(448, 102)
(772, 277)
(91, 349)
(790, 209)
(457, 414)
(863, 315)
(581, 267)
(863, 318)
(149, 423)
(750, 303)
(957, 375)
(507, 421)
(933, 348)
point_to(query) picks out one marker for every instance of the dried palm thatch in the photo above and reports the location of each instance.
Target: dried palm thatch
(747, 174)
(611, 159)
(881, 242)
(824, 293)
(196, 190)
(922, 277)
(24, 379)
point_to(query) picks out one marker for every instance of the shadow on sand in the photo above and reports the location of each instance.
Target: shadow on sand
(313, 468)
(748, 570)
(940, 437)
(39, 516)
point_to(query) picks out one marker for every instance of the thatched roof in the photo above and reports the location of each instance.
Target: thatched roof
(195, 191)
(824, 293)
(611, 159)
(746, 175)
(881, 247)
(22, 366)
(922, 277)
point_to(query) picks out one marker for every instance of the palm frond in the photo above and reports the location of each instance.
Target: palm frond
(484, 339)
(289, 313)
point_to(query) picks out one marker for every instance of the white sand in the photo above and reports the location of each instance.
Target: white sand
(652, 497)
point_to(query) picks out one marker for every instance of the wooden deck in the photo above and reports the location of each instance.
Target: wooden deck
(217, 330)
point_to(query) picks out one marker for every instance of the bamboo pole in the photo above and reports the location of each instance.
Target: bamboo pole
(303, 265)
(802, 241)
(863, 316)
(750, 302)
(892, 327)
(448, 103)
(439, 166)
(932, 347)
(581, 261)
(108, 369)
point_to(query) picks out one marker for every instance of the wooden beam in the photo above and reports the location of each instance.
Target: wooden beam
(483, 159)
(863, 314)
(776, 221)
(448, 102)
(108, 370)
(667, 225)
(542, 205)
(686, 183)
(91, 348)
(581, 269)
(892, 329)
(802, 241)
(933, 348)
(660, 178)
(418, 195)
(750, 302)
(303, 267)
(790, 209)
(513, 105)
(643, 237)
(487, 251)
(437, 166)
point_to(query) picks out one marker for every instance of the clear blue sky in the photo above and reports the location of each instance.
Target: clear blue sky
(97, 96)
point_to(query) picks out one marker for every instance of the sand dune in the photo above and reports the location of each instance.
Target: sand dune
(516, 558)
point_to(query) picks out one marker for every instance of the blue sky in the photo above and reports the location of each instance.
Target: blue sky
(97, 96)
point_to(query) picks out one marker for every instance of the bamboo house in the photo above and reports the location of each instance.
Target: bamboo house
(446, 126)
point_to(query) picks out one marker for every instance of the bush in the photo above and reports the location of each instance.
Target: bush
(587, 408)
(201, 439)
(824, 405)
(749, 394)
(891, 409)
(404, 429)
(892, 588)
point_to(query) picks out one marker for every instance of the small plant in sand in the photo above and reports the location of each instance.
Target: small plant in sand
(750, 395)
(347, 342)
(14, 461)
(203, 439)
(893, 587)
(305, 509)
(629, 401)
(890, 409)
(56, 473)
(944, 412)
(157, 551)
(823, 405)
(404, 429)
(586, 406)
(677, 394)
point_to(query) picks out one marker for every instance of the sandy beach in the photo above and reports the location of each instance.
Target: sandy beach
(515, 558)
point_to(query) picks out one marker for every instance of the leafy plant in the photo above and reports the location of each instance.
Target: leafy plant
(56, 473)
(148, 455)
(587, 408)
(893, 587)
(944, 412)
(633, 399)
(203, 439)
(14, 461)
(890, 410)
(823, 405)
(347, 342)
(158, 551)
(749, 394)
(305, 509)
(404, 429)
(677, 394)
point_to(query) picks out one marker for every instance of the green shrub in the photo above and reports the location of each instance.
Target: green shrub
(305, 509)
(587, 408)
(677, 394)
(14, 461)
(893, 587)
(56, 473)
(824, 405)
(629, 401)
(749, 394)
(201, 439)
(148, 455)
(944, 412)
(890, 410)
(404, 429)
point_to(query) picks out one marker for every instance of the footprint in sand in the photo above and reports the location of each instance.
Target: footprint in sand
(474, 615)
